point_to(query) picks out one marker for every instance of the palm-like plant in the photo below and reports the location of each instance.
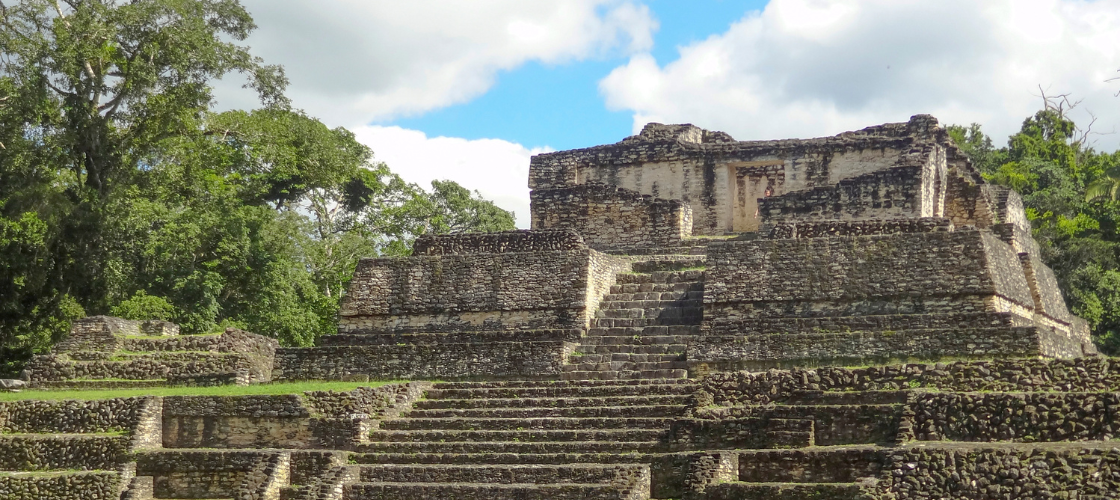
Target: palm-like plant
(1108, 186)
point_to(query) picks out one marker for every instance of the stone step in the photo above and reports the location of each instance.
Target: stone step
(786, 491)
(622, 366)
(852, 398)
(493, 384)
(525, 423)
(674, 263)
(601, 349)
(643, 322)
(638, 340)
(617, 375)
(517, 436)
(650, 313)
(514, 447)
(46, 452)
(624, 357)
(93, 385)
(679, 287)
(697, 247)
(434, 491)
(811, 465)
(561, 391)
(394, 338)
(611, 302)
(492, 473)
(503, 458)
(660, 277)
(658, 288)
(644, 331)
(675, 295)
(577, 412)
(568, 402)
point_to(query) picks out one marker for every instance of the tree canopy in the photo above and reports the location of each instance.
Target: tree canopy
(123, 191)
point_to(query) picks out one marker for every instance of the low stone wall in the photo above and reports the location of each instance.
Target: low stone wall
(107, 415)
(440, 361)
(308, 466)
(833, 425)
(38, 452)
(140, 367)
(1039, 471)
(61, 486)
(732, 432)
(612, 218)
(1037, 417)
(385, 401)
(816, 466)
(1090, 374)
(205, 474)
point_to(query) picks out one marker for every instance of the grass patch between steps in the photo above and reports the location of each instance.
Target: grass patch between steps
(223, 390)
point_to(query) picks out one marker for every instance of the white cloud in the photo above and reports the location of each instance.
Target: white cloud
(804, 68)
(496, 168)
(351, 62)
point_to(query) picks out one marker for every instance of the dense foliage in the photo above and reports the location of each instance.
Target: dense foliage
(1068, 189)
(123, 192)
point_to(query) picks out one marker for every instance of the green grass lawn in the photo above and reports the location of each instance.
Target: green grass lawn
(225, 390)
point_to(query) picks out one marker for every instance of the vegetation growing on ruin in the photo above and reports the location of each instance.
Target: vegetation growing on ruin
(122, 191)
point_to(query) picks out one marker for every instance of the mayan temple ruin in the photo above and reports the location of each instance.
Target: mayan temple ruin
(690, 317)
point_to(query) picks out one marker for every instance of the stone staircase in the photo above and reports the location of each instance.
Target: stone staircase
(525, 440)
(643, 325)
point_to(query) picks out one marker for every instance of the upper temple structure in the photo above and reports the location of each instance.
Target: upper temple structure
(869, 246)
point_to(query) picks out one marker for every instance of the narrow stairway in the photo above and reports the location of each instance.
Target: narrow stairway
(643, 325)
(525, 440)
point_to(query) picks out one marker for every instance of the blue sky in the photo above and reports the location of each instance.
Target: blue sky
(470, 90)
(559, 105)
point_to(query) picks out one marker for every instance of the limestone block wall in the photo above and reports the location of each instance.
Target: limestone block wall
(611, 218)
(517, 280)
(766, 286)
(897, 168)
(892, 193)
(860, 291)
(1084, 375)
(424, 361)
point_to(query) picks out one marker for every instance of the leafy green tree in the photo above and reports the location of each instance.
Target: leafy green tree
(122, 192)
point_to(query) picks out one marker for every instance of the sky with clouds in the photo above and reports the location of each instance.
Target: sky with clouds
(469, 90)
